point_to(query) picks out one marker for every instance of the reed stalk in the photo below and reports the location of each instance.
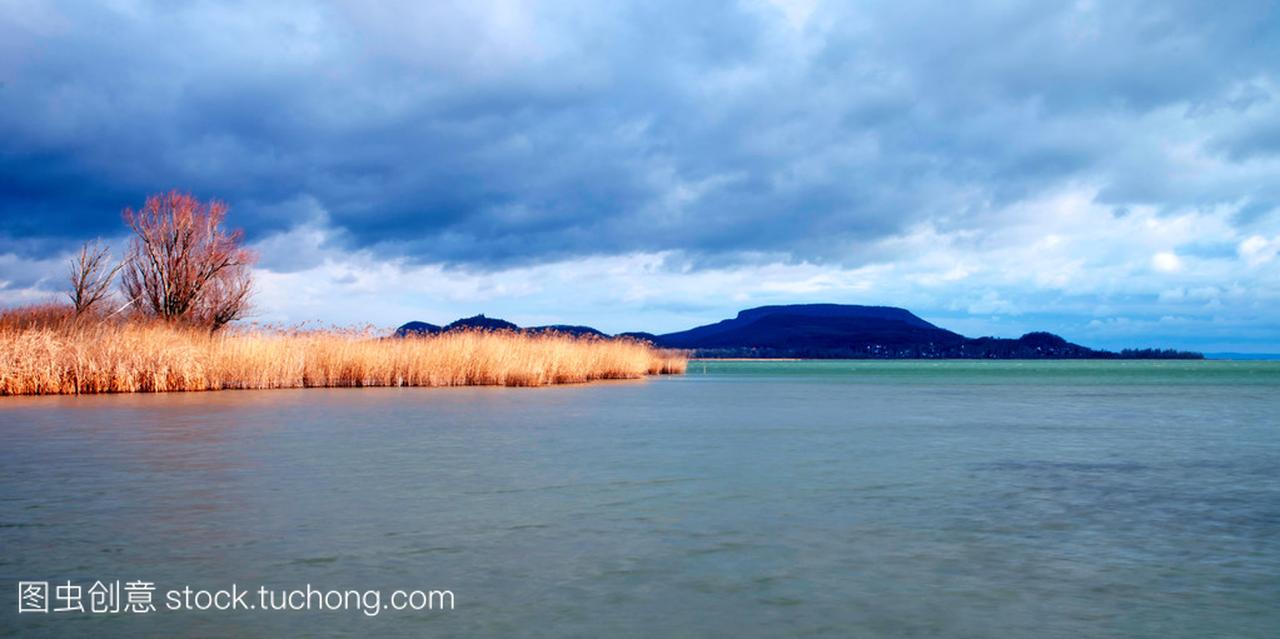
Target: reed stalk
(51, 354)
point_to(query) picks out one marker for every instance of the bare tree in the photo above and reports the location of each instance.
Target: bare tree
(182, 265)
(91, 276)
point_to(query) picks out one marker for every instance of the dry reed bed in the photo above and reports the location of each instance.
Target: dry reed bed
(134, 357)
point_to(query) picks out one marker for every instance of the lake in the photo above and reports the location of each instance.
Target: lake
(814, 499)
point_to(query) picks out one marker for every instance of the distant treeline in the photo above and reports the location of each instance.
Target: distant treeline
(1157, 353)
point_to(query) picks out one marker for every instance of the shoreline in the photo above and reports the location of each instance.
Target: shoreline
(150, 357)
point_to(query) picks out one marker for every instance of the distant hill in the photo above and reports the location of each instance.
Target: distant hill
(783, 328)
(828, 331)
(482, 322)
(417, 328)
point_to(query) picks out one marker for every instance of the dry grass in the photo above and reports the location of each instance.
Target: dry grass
(43, 351)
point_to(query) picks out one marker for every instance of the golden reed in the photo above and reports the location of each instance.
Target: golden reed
(42, 351)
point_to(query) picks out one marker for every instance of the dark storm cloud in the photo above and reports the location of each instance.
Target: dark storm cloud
(493, 133)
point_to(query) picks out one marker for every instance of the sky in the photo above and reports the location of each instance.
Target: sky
(1108, 171)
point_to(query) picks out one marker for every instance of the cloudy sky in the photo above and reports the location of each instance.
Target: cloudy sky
(1109, 171)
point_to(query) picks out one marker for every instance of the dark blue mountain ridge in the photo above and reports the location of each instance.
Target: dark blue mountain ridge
(787, 331)
(826, 331)
(892, 313)
(768, 325)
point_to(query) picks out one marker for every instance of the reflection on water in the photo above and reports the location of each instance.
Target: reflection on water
(757, 499)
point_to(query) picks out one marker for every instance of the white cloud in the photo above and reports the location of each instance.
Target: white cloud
(1166, 262)
(1257, 250)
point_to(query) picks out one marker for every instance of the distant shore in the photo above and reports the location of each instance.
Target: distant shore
(748, 359)
(1207, 358)
(1258, 357)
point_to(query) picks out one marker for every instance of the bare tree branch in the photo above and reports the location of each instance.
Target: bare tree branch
(90, 276)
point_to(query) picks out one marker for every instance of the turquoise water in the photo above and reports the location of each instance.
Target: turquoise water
(868, 499)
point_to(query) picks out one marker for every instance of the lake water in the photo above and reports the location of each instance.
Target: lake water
(889, 499)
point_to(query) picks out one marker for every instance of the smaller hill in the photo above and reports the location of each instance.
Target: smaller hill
(483, 323)
(417, 329)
